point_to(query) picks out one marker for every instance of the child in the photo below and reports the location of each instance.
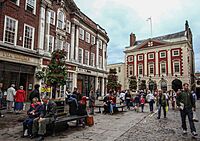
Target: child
(142, 102)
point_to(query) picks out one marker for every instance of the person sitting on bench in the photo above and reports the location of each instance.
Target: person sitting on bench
(106, 104)
(47, 116)
(73, 105)
(32, 113)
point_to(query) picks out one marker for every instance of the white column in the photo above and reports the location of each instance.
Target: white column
(103, 57)
(157, 63)
(74, 80)
(96, 83)
(72, 42)
(169, 62)
(102, 88)
(135, 64)
(41, 28)
(145, 64)
(97, 53)
(77, 44)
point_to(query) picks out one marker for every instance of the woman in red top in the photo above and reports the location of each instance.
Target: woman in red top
(142, 102)
(19, 100)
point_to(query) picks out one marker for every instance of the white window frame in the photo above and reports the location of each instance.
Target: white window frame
(17, 2)
(52, 37)
(178, 62)
(173, 53)
(92, 57)
(52, 15)
(32, 44)
(93, 39)
(163, 63)
(86, 57)
(81, 55)
(140, 65)
(100, 44)
(56, 44)
(161, 54)
(149, 56)
(16, 27)
(130, 69)
(66, 47)
(150, 65)
(68, 26)
(130, 58)
(63, 19)
(34, 8)
(140, 59)
(81, 34)
(87, 37)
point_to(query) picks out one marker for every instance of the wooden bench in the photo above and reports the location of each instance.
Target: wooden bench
(99, 106)
(117, 107)
(120, 106)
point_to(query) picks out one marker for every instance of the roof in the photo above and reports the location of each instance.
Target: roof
(164, 37)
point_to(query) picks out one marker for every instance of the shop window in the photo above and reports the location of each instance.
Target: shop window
(28, 37)
(10, 30)
(31, 6)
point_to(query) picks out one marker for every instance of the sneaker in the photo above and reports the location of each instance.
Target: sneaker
(184, 131)
(194, 133)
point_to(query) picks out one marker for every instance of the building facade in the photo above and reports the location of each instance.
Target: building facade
(161, 59)
(18, 42)
(64, 26)
(120, 69)
(32, 29)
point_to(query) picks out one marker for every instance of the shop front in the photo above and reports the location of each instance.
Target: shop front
(17, 69)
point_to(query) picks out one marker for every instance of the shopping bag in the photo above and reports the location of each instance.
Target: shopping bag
(195, 119)
(167, 108)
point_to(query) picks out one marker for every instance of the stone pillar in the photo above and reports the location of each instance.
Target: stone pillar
(41, 31)
(145, 64)
(157, 64)
(96, 83)
(102, 88)
(97, 53)
(77, 44)
(72, 41)
(169, 63)
(135, 65)
(75, 76)
(103, 56)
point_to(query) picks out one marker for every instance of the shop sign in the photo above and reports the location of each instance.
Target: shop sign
(18, 57)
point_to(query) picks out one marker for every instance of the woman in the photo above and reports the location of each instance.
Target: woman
(19, 100)
(91, 102)
(128, 99)
(150, 99)
(142, 101)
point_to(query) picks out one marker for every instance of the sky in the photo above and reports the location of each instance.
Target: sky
(121, 17)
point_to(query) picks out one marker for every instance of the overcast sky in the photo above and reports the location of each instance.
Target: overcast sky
(121, 17)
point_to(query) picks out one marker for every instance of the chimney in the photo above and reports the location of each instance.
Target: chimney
(186, 25)
(132, 39)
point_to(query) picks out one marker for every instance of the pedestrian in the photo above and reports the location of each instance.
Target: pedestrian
(77, 94)
(128, 99)
(173, 100)
(91, 102)
(1, 95)
(106, 104)
(161, 103)
(35, 93)
(122, 97)
(97, 93)
(19, 100)
(47, 116)
(142, 102)
(150, 99)
(112, 99)
(186, 104)
(10, 97)
(137, 103)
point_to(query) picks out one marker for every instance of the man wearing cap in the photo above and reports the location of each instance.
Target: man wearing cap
(47, 115)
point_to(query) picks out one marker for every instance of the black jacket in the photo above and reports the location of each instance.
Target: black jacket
(33, 94)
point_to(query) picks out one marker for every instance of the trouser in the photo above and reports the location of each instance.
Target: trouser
(39, 126)
(92, 110)
(151, 105)
(189, 113)
(9, 105)
(142, 107)
(27, 124)
(159, 110)
(128, 103)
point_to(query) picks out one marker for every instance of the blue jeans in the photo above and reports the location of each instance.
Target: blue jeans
(151, 105)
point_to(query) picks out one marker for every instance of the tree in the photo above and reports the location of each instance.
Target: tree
(143, 85)
(56, 72)
(132, 83)
(112, 81)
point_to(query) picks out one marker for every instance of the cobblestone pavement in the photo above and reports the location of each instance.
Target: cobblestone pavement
(152, 129)
(123, 126)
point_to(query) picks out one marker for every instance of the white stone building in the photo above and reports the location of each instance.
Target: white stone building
(161, 58)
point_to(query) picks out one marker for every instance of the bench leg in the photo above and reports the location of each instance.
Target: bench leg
(54, 130)
(99, 110)
(122, 109)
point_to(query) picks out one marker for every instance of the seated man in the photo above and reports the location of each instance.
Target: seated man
(106, 104)
(33, 113)
(47, 116)
(73, 105)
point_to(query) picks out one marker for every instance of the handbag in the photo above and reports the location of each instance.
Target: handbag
(167, 108)
(195, 119)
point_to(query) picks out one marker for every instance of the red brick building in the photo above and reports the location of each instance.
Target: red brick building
(19, 42)
(161, 59)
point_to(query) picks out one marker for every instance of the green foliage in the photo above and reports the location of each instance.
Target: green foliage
(143, 85)
(56, 72)
(132, 83)
(40, 75)
(112, 81)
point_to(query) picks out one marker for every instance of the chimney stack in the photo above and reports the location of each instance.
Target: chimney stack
(132, 39)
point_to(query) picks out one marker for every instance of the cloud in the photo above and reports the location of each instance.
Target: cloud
(120, 18)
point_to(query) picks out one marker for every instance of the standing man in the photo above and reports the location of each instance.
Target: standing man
(161, 103)
(35, 93)
(10, 97)
(187, 105)
(150, 98)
